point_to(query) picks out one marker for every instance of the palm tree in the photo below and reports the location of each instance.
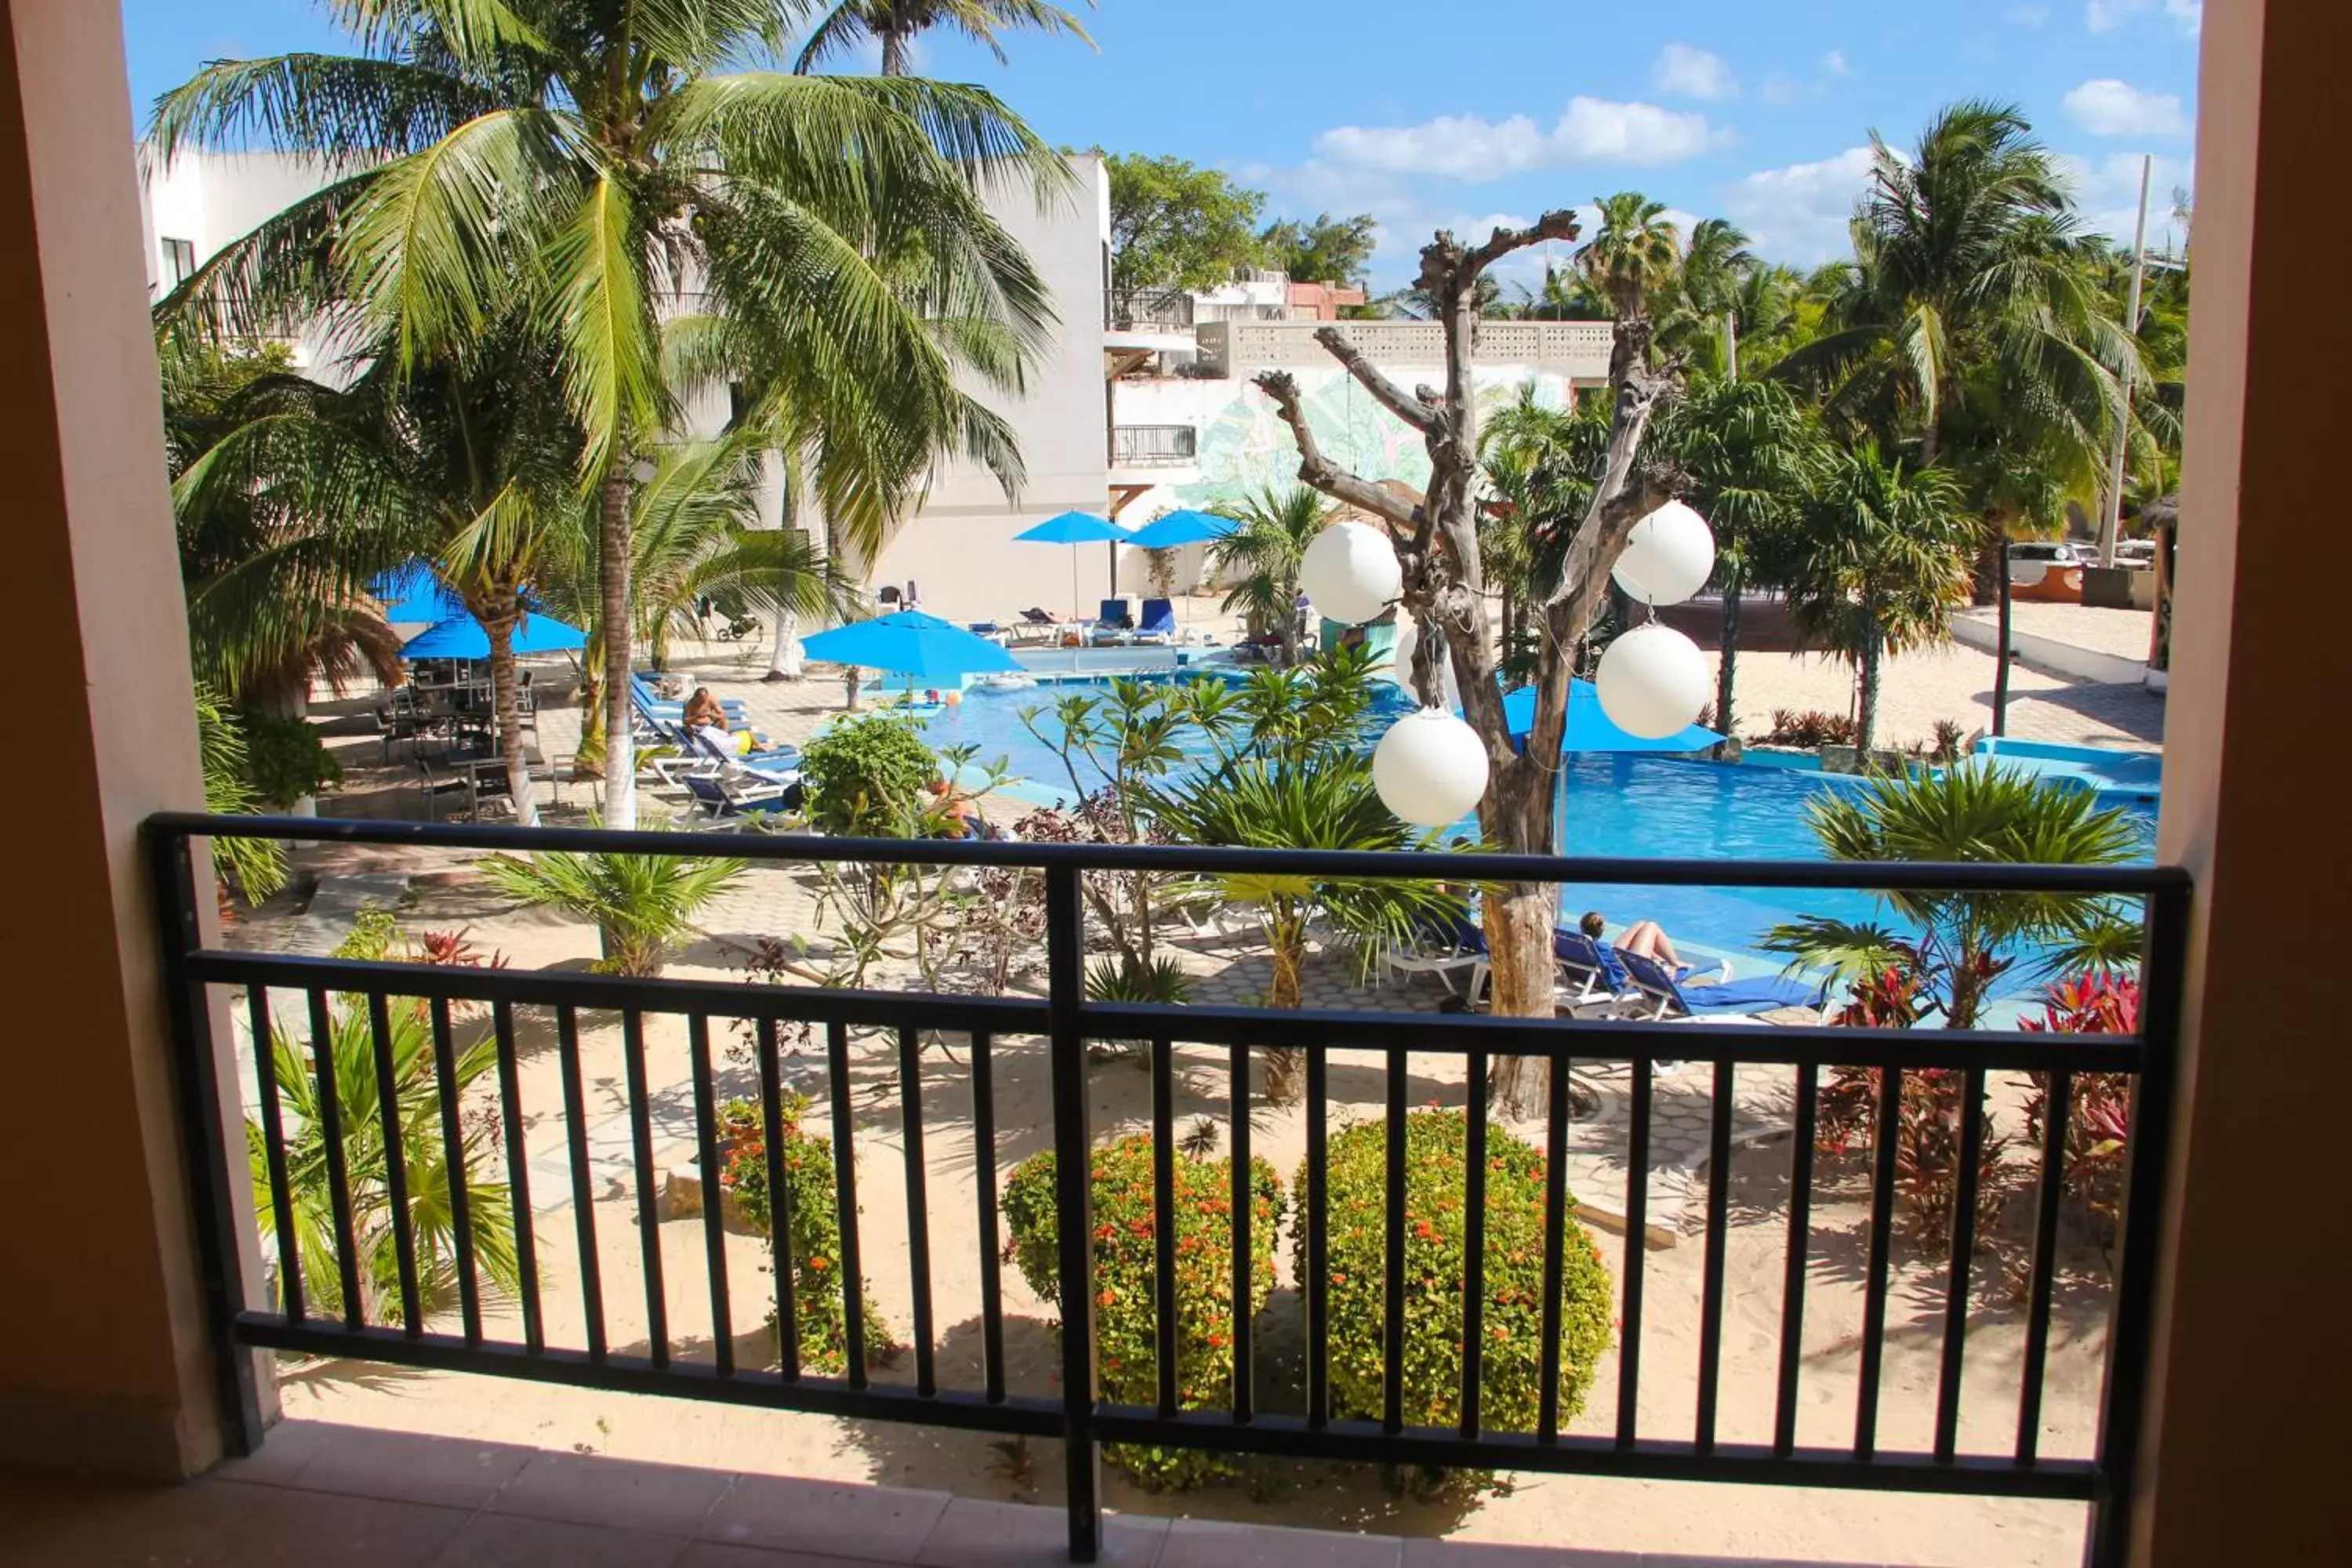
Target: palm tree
(1276, 526)
(1633, 252)
(1967, 254)
(1754, 456)
(1538, 463)
(895, 25)
(644, 905)
(464, 463)
(1884, 563)
(603, 159)
(428, 1179)
(1705, 299)
(274, 598)
(1977, 811)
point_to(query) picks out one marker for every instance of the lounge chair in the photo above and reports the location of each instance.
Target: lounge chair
(1663, 996)
(725, 797)
(1112, 626)
(1035, 625)
(1445, 948)
(702, 742)
(1584, 970)
(1158, 624)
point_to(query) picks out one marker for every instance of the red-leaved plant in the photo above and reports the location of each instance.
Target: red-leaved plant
(2098, 1104)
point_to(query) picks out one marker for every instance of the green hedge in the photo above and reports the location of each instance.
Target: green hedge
(1125, 1265)
(1435, 1267)
(815, 1229)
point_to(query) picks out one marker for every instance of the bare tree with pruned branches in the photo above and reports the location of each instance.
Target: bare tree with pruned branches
(1444, 592)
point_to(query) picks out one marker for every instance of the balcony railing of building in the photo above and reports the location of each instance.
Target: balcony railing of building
(1153, 446)
(1143, 309)
(996, 1031)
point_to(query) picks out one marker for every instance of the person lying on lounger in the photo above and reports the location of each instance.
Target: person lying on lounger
(1643, 937)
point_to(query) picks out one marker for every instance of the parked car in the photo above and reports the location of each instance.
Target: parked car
(2050, 550)
(2137, 554)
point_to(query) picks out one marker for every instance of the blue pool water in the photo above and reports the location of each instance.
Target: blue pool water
(1646, 806)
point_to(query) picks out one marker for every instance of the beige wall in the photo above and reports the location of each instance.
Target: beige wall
(101, 1327)
(2254, 1388)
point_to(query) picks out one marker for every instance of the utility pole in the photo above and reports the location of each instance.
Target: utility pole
(2112, 518)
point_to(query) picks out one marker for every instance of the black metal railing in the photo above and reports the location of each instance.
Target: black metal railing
(1149, 445)
(1067, 1021)
(1131, 308)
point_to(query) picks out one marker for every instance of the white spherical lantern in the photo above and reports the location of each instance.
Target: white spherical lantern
(1652, 681)
(1668, 557)
(1352, 572)
(1430, 769)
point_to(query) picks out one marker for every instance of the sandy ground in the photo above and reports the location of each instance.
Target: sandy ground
(1741, 1520)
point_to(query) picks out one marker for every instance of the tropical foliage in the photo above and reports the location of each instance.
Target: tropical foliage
(1956, 944)
(1265, 552)
(571, 163)
(411, 1175)
(1436, 1266)
(644, 904)
(809, 1246)
(1119, 1184)
(895, 25)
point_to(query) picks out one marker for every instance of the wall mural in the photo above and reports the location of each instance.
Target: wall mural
(1246, 446)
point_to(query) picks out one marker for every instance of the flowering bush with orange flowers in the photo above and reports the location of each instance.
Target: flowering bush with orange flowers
(1437, 1265)
(1125, 1267)
(814, 1231)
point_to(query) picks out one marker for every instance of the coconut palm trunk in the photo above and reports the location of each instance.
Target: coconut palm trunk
(894, 53)
(499, 616)
(1873, 644)
(1727, 640)
(612, 579)
(2005, 597)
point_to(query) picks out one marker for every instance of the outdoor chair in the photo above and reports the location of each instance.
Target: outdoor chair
(1583, 973)
(1112, 626)
(434, 777)
(1035, 625)
(702, 742)
(1454, 946)
(1663, 996)
(722, 798)
(1158, 622)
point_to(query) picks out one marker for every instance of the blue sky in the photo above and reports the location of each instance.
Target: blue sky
(1754, 110)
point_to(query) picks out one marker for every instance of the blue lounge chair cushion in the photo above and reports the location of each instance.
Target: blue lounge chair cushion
(1749, 995)
(1579, 951)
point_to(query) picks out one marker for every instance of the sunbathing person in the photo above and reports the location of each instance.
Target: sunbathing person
(962, 812)
(1644, 938)
(703, 710)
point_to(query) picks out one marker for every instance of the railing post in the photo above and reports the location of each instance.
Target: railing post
(204, 1130)
(2123, 1404)
(1073, 1205)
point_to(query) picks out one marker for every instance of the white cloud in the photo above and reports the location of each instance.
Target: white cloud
(2030, 16)
(2107, 195)
(1799, 213)
(1688, 72)
(1834, 63)
(1470, 147)
(2106, 107)
(2106, 16)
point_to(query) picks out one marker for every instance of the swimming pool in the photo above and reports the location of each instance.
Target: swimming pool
(1646, 806)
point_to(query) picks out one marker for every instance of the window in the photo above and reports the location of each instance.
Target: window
(179, 260)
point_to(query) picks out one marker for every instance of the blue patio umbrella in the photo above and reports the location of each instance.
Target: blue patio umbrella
(1181, 528)
(924, 649)
(415, 593)
(462, 637)
(1590, 728)
(1079, 528)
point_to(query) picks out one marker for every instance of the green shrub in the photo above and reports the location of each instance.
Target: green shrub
(1435, 1267)
(866, 778)
(815, 1239)
(285, 758)
(1125, 1265)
